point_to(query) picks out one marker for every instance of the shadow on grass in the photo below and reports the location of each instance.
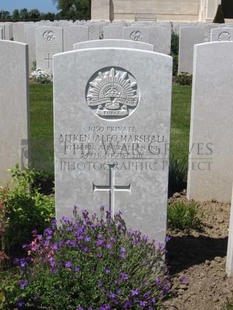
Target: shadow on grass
(186, 251)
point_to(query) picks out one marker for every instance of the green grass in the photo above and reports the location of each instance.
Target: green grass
(180, 122)
(41, 113)
(41, 126)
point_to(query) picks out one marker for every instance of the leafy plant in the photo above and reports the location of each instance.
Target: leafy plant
(91, 263)
(184, 79)
(177, 175)
(228, 306)
(183, 216)
(25, 209)
(175, 51)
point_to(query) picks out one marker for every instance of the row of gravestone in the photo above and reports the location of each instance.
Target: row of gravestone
(112, 110)
(45, 41)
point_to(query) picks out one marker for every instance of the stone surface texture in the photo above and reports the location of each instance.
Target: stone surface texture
(210, 162)
(112, 124)
(14, 111)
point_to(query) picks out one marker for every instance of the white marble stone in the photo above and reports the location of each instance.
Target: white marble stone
(136, 33)
(222, 34)
(30, 38)
(229, 260)
(49, 41)
(112, 32)
(158, 36)
(114, 43)
(74, 34)
(14, 108)
(112, 110)
(188, 37)
(19, 32)
(210, 161)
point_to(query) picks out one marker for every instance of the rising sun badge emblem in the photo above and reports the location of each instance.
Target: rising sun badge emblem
(112, 93)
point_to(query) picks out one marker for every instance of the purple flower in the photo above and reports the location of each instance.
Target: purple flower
(123, 253)
(111, 295)
(134, 292)
(107, 270)
(76, 269)
(20, 303)
(87, 239)
(79, 308)
(166, 288)
(124, 276)
(22, 263)
(168, 238)
(68, 264)
(142, 303)
(127, 304)
(100, 283)
(105, 307)
(23, 284)
(109, 246)
(183, 279)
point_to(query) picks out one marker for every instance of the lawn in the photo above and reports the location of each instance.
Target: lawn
(41, 114)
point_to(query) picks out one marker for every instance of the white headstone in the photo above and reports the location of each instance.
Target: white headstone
(189, 36)
(222, 34)
(229, 260)
(114, 43)
(112, 123)
(14, 108)
(30, 37)
(210, 161)
(136, 33)
(49, 41)
(112, 32)
(1, 34)
(74, 34)
(19, 32)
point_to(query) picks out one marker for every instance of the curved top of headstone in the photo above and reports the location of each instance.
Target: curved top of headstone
(114, 43)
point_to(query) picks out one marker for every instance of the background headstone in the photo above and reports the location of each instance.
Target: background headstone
(49, 41)
(222, 34)
(114, 43)
(14, 108)
(210, 172)
(112, 112)
(74, 34)
(189, 36)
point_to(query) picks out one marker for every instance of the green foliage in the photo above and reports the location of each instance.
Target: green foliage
(177, 175)
(183, 216)
(184, 79)
(174, 43)
(175, 51)
(26, 209)
(228, 306)
(74, 9)
(90, 263)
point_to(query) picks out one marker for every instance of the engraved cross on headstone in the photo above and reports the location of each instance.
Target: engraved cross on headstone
(112, 188)
(49, 59)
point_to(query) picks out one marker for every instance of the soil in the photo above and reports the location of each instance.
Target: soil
(197, 261)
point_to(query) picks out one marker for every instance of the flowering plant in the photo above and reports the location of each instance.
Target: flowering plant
(41, 76)
(90, 264)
